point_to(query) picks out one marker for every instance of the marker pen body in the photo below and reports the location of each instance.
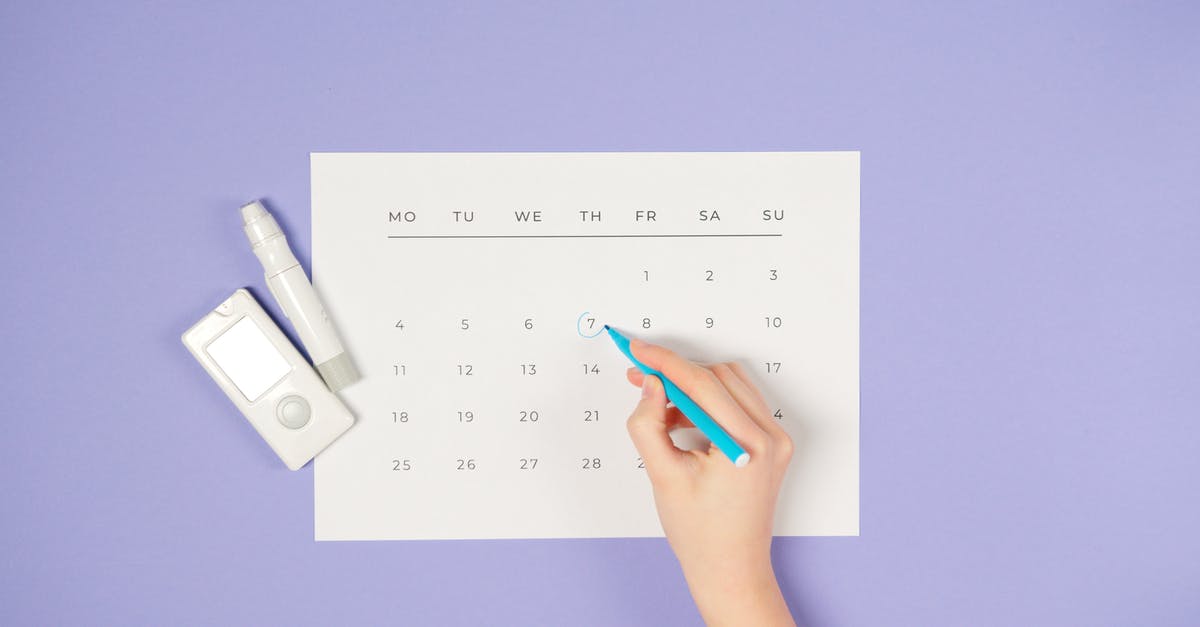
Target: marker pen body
(700, 418)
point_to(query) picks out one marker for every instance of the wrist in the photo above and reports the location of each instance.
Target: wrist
(741, 594)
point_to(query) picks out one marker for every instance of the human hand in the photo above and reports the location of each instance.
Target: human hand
(717, 517)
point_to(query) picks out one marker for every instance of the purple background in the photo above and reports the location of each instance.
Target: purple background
(1030, 328)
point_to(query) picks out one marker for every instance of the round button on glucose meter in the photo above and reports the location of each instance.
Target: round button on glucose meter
(293, 412)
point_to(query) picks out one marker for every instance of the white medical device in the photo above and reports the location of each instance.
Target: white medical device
(291, 288)
(266, 377)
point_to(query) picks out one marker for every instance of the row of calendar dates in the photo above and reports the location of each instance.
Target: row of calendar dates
(588, 324)
(531, 463)
(532, 369)
(530, 417)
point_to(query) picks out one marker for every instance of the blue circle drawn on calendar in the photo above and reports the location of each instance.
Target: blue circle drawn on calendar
(579, 326)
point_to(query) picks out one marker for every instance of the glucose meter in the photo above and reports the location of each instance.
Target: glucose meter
(267, 379)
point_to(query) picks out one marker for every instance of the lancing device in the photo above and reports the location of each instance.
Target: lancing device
(295, 295)
(685, 404)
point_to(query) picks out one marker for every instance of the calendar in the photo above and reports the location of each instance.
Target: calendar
(471, 289)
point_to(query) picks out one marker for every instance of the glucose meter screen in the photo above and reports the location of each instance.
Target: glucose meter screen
(249, 359)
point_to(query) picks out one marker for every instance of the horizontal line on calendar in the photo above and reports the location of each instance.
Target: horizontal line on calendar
(584, 236)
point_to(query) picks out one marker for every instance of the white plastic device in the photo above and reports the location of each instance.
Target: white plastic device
(266, 377)
(297, 298)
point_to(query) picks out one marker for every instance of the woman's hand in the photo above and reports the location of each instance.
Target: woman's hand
(717, 517)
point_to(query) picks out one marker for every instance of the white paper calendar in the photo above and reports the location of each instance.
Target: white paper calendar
(465, 286)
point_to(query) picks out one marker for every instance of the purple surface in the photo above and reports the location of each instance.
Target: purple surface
(1030, 301)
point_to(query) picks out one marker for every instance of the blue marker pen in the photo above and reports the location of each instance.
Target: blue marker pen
(699, 417)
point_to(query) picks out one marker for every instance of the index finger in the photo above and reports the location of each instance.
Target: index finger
(703, 387)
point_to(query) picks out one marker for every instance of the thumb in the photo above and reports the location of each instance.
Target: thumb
(648, 429)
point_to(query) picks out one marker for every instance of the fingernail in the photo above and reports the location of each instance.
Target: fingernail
(647, 388)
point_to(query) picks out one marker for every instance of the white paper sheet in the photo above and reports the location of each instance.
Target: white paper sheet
(458, 282)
